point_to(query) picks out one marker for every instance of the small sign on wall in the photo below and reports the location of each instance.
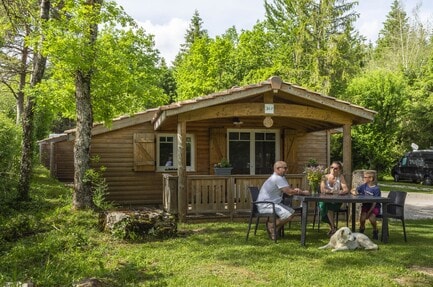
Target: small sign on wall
(269, 108)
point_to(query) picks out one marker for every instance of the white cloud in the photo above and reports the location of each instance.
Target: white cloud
(370, 30)
(168, 20)
(168, 36)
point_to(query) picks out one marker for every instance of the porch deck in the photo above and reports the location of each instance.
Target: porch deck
(212, 197)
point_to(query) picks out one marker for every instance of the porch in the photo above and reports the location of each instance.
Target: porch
(213, 196)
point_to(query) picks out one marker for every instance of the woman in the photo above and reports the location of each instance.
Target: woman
(333, 182)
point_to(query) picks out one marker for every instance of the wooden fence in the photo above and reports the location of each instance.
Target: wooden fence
(213, 195)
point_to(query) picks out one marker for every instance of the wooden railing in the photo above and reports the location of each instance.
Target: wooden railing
(211, 194)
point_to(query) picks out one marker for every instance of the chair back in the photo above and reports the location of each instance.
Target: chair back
(398, 198)
(254, 191)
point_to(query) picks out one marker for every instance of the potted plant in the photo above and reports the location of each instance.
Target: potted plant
(314, 173)
(223, 167)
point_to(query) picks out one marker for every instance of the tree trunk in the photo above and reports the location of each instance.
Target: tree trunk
(22, 83)
(26, 167)
(26, 152)
(83, 193)
(83, 197)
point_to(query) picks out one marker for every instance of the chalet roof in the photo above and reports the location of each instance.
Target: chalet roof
(275, 91)
(307, 110)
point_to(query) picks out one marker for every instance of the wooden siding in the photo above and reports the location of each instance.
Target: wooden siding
(44, 154)
(312, 146)
(115, 151)
(128, 187)
(63, 161)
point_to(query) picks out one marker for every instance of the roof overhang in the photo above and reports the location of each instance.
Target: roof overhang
(317, 111)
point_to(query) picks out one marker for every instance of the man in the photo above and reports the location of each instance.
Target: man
(272, 190)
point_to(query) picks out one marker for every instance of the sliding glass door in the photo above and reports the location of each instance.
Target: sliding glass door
(253, 151)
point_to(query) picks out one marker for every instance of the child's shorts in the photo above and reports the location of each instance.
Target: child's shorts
(376, 210)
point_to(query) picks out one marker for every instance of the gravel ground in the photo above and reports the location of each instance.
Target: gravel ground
(417, 205)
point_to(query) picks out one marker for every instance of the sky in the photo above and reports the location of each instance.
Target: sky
(168, 20)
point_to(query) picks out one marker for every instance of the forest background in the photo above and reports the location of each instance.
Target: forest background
(68, 64)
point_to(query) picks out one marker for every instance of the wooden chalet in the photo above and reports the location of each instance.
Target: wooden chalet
(166, 156)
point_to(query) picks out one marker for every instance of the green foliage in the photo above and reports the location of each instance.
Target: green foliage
(18, 227)
(314, 43)
(123, 64)
(10, 139)
(208, 66)
(195, 31)
(167, 82)
(223, 163)
(62, 246)
(7, 103)
(419, 121)
(191, 72)
(314, 174)
(377, 144)
(99, 186)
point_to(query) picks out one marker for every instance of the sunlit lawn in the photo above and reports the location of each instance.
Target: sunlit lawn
(67, 246)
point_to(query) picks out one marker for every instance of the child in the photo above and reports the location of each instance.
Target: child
(369, 210)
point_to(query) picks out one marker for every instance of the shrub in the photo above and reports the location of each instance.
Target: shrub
(10, 138)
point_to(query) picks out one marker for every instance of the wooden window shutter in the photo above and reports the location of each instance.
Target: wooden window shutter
(218, 146)
(290, 151)
(144, 152)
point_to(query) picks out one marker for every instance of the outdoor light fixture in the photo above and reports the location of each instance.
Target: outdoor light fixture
(237, 121)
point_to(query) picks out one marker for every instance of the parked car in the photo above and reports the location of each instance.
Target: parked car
(416, 166)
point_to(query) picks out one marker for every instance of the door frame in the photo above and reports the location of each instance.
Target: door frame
(252, 144)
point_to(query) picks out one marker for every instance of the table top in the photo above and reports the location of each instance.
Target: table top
(341, 198)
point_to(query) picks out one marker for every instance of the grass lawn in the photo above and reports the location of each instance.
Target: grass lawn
(46, 242)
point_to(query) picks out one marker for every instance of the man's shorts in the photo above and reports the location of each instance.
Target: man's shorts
(283, 211)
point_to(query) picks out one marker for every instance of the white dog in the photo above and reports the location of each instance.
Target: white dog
(345, 239)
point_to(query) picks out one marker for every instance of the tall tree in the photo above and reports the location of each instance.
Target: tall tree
(315, 42)
(167, 81)
(23, 43)
(404, 46)
(417, 126)
(191, 72)
(97, 74)
(15, 52)
(402, 43)
(189, 67)
(83, 79)
(195, 31)
(39, 63)
(385, 92)
(254, 55)
(209, 66)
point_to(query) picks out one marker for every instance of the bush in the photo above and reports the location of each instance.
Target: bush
(10, 139)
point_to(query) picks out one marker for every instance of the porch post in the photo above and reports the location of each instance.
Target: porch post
(181, 170)
(347, 154)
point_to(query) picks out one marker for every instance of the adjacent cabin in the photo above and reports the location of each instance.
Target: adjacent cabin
(166, 156)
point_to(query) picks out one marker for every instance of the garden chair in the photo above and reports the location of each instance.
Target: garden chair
(288, 200)
(272, 217)
(344, 209)
(395, 208)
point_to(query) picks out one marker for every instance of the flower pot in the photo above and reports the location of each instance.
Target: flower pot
(223, 170)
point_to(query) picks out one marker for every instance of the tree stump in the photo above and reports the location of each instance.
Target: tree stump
(140, 224)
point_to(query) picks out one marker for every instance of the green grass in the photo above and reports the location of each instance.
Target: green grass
(47, 242)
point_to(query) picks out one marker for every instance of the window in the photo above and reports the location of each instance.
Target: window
(253, 151)
(167, 152)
